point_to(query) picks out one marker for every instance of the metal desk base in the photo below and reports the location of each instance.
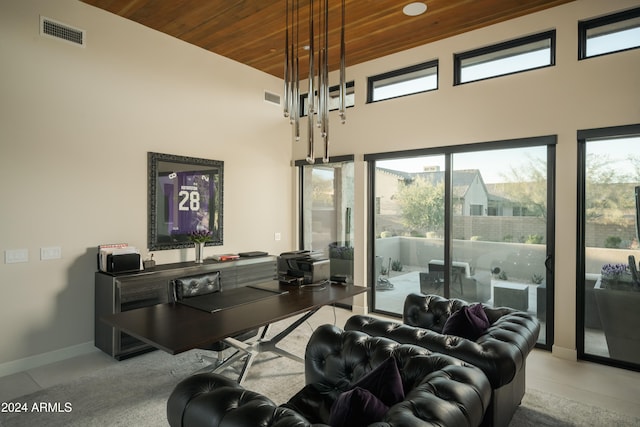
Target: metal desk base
(249, 350)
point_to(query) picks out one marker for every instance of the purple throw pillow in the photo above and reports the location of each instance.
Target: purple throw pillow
(356, 407)
(384, 382)
(469, 322)
(369, 398)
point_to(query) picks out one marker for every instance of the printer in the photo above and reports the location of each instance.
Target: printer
(302, 267)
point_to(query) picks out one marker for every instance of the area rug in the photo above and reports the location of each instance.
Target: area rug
(539, 409)
(134, 392)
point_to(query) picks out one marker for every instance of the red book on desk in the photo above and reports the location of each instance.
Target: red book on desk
(227, 257)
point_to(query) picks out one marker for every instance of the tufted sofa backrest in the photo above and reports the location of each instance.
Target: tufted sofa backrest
(500, 352)
(429, 311)
(432, 311)
(335, 359)
(339, 358)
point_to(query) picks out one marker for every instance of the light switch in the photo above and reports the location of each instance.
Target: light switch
(13, 256)
(52, 252)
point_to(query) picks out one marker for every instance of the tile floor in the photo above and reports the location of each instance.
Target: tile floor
(604, 386)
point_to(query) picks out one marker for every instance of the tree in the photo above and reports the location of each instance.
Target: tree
(528, 187)
(422, 205)
(322, 190)
(608, 189)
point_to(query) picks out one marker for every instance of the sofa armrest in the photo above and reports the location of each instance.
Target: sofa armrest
(212, 400)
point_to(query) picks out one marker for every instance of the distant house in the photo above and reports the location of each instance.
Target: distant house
(472, 197)
(500, 204)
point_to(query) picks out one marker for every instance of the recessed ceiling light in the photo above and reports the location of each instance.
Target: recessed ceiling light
(414, 9)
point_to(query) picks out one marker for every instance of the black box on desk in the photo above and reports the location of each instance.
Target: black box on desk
(123, 263)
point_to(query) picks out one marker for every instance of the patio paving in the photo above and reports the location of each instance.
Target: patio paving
(406, 282)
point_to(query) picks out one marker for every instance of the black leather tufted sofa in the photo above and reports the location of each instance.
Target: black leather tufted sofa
(500, 352)
(439, 390)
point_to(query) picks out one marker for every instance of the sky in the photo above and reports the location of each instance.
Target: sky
(493, 165)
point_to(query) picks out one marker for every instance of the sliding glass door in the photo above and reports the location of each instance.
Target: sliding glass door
(409, 230)
(327, 200)
(469, 222)
(499, 230)
(608, 284)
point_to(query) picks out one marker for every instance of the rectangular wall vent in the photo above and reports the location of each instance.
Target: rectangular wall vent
(272, 97)
(49, 27)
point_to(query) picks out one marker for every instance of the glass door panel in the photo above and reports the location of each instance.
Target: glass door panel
(611, 288)
(409, 229)
(327, 206)
(499, 229)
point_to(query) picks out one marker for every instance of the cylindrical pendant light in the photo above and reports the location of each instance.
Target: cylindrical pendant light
(318, 79)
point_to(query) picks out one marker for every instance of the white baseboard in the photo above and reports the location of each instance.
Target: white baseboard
(42, 359)
(564, 353)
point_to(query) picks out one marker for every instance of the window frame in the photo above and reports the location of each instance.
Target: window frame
(588, 24)
(550, 141)
(584, 136)
(371, 80)
(510, 44)
(476, 210)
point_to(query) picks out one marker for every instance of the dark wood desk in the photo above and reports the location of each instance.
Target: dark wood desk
(176, 328)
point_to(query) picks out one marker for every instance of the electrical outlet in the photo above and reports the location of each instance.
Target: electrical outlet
(52, 252)
(13, 256)
(277, 236)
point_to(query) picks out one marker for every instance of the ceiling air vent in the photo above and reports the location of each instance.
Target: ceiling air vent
(61, 31)
(273, 98)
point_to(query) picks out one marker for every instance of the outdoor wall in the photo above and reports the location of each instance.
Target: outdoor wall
(498, 228)
(558, 100)
(487, 228)
(76, 124)
(597, 257)
(598, 234)
(519, 261)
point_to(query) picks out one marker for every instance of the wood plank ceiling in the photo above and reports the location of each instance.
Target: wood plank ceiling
(253, 31)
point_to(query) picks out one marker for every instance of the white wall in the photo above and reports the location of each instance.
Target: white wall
(75, 128)
(558, 100)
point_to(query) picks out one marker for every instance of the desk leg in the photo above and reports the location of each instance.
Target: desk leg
(242, 350)
(270, 345)
(251, 350)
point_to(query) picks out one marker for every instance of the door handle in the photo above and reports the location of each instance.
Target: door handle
(548, 263)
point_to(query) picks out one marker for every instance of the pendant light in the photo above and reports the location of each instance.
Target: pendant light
(318, 78)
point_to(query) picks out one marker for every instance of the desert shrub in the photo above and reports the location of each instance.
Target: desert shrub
(537, 279)
(534, 239)
(612, 242)
(396, 265)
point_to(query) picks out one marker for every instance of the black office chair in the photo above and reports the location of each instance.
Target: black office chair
(202, 284)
